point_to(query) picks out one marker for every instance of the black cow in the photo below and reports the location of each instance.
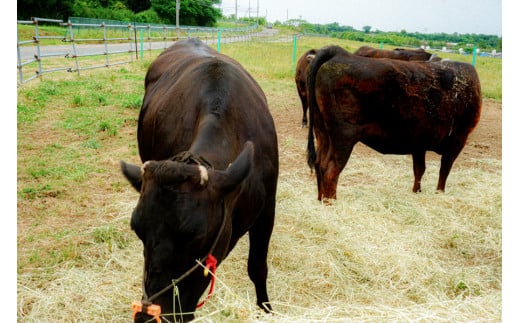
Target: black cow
(209, 148)
(392, 106)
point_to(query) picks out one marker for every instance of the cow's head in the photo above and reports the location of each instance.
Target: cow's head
(180, 218)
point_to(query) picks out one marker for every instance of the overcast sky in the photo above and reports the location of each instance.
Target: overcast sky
(425, 16)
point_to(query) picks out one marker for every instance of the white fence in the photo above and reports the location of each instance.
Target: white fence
(128, 42)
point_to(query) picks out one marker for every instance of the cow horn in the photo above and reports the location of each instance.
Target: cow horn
(143, 167)
(203, 175)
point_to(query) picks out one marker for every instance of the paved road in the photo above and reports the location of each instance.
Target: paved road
(30, 52)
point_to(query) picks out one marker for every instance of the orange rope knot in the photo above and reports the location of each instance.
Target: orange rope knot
(152, 310)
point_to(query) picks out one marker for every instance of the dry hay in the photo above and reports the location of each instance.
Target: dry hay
(379, 253)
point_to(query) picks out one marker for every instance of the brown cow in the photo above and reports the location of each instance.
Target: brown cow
(399, 53)
(301, 80)
(210, 167)
(392, 106)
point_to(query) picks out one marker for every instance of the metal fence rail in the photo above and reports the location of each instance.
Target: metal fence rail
(118, 42)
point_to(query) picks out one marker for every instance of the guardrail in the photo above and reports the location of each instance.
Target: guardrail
(119, 43)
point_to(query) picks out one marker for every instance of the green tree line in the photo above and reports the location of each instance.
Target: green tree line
(402, 38)
(192, 12)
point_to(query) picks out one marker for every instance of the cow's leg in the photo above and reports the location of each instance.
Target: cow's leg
(447, 160)
(319, 176)
(419, 166)
(329, 168)
(303, 99)
(259, 236)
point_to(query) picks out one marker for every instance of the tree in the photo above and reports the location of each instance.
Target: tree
(192, 13)
(367, 29)
(148, 16)
(138, 5)
(53, 9)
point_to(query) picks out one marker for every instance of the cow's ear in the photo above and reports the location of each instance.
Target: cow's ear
(132, 174)
(239, 170)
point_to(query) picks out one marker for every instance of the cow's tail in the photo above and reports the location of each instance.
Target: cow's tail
(322, 56)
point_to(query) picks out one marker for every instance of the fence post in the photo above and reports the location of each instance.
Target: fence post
(38, 51)
(134, 38)
(474, 60)
(75, 53)
(105, 42)
(218, 42)
(294, 54)
(149, 39)
(20, 66)
(142, 42)
(164, 36)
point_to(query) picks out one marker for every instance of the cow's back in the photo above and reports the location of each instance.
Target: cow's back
(174, 57)
(397, 53)
(300, 75)
(192, 87)
(427, 101)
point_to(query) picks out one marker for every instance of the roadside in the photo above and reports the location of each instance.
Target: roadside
(29, 52)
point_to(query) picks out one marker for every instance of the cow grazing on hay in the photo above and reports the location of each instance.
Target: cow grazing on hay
(209, 148)
(392, 106)
(300, 76)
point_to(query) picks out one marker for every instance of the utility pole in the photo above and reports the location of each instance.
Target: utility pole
(236, 15)
(177, 9)
(257, 11)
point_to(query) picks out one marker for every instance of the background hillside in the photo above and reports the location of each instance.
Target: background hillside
(208, 13)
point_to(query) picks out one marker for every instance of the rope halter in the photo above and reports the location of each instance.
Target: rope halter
(146, 304)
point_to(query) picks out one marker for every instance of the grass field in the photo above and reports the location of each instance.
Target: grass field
(378, 254)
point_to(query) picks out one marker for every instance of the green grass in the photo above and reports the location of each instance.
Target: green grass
(275, 58)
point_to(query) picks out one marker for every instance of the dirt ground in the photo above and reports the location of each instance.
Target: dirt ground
(486, 139)
(484, 142)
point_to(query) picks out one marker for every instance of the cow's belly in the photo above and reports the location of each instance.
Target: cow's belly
(402, 142)
(396, 148)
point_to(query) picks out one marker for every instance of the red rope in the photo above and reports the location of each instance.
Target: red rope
(211, 265)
